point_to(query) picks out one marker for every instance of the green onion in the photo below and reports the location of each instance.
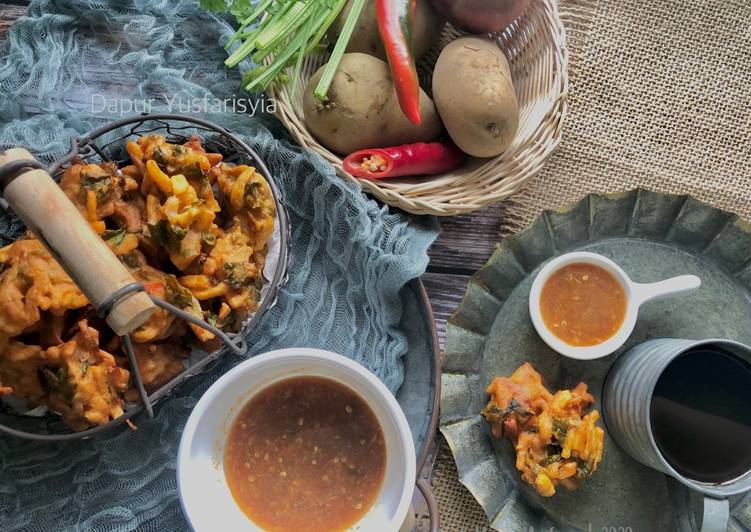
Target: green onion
(339, 49)
(282, 33)
(308, 32)
(257, 12)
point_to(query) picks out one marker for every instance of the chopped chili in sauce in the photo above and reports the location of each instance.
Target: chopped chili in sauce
(583, 304)
(305, 454)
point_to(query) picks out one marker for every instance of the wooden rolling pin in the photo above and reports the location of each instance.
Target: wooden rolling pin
(51, 216)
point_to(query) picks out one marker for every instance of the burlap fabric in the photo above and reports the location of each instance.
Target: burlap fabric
(660, 98)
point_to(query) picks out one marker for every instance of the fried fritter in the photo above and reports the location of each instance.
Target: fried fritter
(229, 272)
(31, 282)
(518, 398)
(159, 363)
(94, 188)
(249, 200)
(554, 442)
(130, 214)
(160, 323)
(181, 223)
(75, 379)
(83, 382)
(19, 366)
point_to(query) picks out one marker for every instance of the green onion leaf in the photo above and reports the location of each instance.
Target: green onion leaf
(341, 45)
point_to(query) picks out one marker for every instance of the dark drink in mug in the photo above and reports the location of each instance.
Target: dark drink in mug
(683, 407)
(701, 415)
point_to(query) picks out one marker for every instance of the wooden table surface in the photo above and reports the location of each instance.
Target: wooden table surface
(464, 245)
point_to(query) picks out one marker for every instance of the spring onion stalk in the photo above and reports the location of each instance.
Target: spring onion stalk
(256, 13)
(314, 44)
(247, 21)
(339, 49)
(280, 63)
(308, 31)
(336, 8)
(288, 23)
(281, 33)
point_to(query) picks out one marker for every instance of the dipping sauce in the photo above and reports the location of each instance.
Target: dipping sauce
(583, 304)
(305, 454)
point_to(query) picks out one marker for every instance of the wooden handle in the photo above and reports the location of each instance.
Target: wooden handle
(51, 216)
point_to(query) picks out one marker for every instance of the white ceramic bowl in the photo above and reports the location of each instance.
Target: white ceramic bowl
(204, 493)
(636, 295)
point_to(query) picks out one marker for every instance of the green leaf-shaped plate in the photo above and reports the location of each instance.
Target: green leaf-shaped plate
(652, 236)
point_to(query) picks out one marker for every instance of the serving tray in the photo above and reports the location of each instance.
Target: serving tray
(418, 394)
(652, 236)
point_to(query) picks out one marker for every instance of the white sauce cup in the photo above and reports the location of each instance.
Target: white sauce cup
(205, 496)
(636, 295)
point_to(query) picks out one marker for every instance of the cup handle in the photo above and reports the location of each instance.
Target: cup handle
(716, 515)
(714, 518)
(672, 287)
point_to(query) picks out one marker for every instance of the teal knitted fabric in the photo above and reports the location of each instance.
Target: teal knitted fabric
(350, 257)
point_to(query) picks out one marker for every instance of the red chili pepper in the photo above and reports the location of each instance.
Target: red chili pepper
(394, 23)
(154, 287)
(407, 160)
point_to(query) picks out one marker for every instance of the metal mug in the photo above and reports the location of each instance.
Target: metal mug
(627, 399)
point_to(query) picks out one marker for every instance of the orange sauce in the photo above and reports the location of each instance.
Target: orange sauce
(305, 454)
(583, 304)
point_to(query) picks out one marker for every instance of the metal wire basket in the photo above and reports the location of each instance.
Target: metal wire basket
(108, 144)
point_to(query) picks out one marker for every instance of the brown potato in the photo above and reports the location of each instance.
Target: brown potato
(474, 95)
(362, 110)
(366, 39)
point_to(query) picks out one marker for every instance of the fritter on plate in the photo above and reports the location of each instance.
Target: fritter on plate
(555, 443)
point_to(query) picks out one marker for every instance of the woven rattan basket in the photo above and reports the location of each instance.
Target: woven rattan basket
(535, 46)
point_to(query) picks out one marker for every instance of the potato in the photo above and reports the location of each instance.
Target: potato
(480, 16)
(474, 95)
(366, 39)
(362, 110)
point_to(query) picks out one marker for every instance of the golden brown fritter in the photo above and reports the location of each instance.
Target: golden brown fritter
(249, 200)
(554, 443)
(229, 272)
(130, 213)
(19, 366)
(94, 188)
(181, 222)
(519, 398)
(83, 382)
(161, 323)
(159, 363)
(76, 378)
(32, 282)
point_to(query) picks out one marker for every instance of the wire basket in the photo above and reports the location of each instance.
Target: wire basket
(108, 144)
(535, 45)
